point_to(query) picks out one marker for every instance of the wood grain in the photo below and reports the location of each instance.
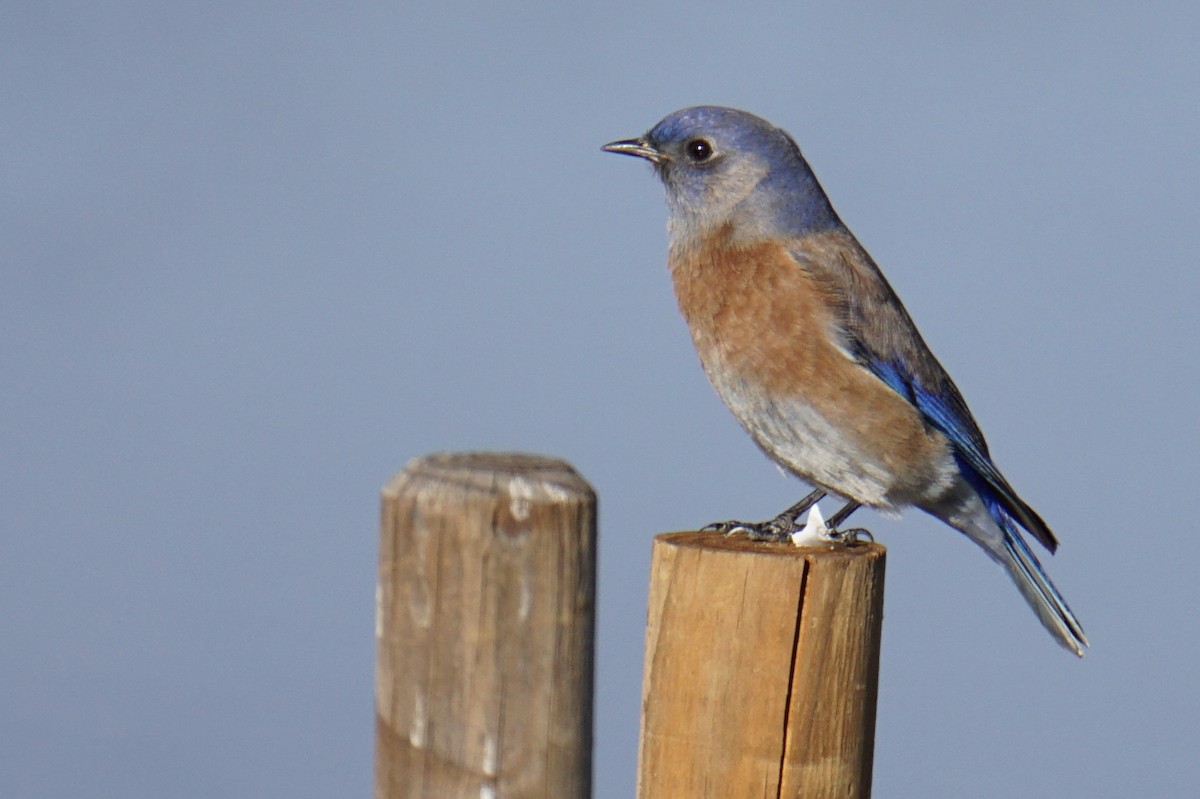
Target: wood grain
(762, 668)
(485, 625)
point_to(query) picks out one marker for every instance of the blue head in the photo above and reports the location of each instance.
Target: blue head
(723, 166)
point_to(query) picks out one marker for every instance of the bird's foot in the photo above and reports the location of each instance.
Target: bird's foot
(787, 527)
(851, 537)
(783, 527)
(779, 529)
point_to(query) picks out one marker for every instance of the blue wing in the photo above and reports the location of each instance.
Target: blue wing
(943, 407)
(878, 332)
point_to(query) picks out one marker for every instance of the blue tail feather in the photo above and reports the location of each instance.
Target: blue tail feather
(1037, 588)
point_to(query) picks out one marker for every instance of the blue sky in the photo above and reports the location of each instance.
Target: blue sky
(255, 257)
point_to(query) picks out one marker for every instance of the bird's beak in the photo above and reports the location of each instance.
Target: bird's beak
(639, 147)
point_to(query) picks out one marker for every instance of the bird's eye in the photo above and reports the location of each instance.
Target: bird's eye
(698, 150)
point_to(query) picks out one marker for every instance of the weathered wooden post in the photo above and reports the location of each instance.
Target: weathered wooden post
(486, 603)
(762, 669)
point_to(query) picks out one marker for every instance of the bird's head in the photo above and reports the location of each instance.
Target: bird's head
(721, 166)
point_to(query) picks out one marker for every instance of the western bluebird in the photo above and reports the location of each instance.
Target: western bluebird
(808, 345)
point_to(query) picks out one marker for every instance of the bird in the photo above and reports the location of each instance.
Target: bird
(811, 349)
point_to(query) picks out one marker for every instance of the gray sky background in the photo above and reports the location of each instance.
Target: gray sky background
(254, 257)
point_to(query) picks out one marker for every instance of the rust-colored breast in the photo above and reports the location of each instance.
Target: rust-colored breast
(761, 322)
(755, 310)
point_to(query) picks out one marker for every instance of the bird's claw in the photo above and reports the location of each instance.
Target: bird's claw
(850, 537)
(779, 529)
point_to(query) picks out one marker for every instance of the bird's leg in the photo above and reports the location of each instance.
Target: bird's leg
(842, 515)
(777, 529)
(846, 536)
(790, 518)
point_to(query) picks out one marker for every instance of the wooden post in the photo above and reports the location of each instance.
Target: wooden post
(485, 621)
(762, 668)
